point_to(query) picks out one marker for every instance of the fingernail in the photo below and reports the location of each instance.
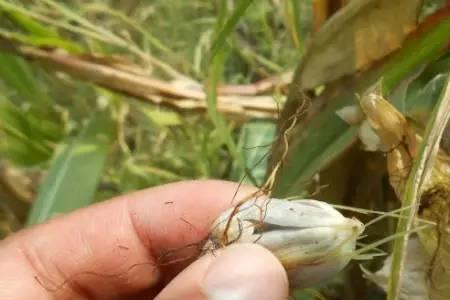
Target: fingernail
(245, 272)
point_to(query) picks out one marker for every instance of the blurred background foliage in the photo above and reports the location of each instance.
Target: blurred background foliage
(103, 97)
(51, 123)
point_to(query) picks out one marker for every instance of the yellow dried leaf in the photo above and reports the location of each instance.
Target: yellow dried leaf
(359, 34)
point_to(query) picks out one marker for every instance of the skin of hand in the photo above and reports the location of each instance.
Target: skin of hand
(110, 251)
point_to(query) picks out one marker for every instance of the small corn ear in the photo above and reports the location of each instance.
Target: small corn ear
(312, 240)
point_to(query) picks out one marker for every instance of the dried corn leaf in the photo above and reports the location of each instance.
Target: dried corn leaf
(359, 34)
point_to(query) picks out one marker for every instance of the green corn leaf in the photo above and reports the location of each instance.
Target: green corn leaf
(19, 75)
(215, 72)
(229, 26)
(255, 140)
(26, 138)
(29, 25)
(73, 176)
(37, 34)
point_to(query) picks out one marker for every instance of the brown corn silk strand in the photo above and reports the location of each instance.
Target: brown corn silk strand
(266, 189)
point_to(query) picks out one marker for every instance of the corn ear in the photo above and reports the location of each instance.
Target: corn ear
(312, 240)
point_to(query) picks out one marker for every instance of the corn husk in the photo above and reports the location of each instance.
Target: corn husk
(400, 142)
(417, 262)
(312, 240)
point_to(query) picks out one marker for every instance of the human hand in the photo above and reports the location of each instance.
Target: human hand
(110, 251)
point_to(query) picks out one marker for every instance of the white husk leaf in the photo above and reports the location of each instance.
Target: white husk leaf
(414, 286)
(368, 137)
(351, 114)
(312, 239)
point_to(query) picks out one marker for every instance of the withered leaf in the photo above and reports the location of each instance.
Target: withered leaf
(362, 32)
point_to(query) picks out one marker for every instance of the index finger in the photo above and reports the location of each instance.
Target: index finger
(112, 248)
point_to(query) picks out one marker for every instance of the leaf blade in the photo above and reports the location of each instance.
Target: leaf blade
(73, 176)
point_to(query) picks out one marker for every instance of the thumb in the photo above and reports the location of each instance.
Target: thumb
(238, 272)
